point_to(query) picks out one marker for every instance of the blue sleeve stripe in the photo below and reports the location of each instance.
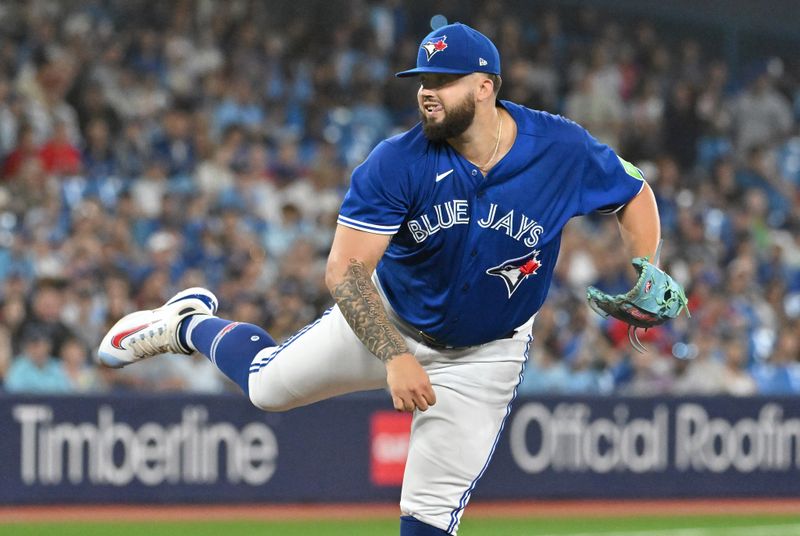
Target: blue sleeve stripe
(363, 226)
(373, 225)
(610, 210)
(367, 229)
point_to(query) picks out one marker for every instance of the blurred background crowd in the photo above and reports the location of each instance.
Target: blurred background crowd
(146, 147)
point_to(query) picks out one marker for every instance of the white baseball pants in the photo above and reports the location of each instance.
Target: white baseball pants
(451, 443)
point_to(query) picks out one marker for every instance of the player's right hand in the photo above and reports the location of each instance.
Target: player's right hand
(409, 384)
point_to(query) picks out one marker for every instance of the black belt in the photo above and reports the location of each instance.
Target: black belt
(431, 342)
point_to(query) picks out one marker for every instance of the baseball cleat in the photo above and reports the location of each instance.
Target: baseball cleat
(148, 333)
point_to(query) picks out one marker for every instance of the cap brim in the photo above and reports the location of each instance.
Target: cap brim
(419, 70)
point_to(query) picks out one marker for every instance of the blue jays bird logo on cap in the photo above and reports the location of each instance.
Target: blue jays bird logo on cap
(514, 271)
(431, 47)
(466, 51)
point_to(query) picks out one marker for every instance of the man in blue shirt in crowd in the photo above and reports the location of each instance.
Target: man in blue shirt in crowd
(36, 370)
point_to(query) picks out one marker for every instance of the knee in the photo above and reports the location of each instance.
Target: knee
(267, 391)
(271, 402)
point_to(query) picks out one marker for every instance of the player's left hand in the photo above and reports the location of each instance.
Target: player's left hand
(409, 384)
(655, 299)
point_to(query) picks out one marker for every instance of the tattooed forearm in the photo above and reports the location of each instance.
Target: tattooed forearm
(361, 306)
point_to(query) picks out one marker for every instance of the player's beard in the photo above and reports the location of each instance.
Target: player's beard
(456, 121)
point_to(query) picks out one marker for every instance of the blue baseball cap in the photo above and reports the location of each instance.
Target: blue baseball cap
(455, 49)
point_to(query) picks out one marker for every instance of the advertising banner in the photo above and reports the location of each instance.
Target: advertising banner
(648, 447)
(176, 449)
(162, 449)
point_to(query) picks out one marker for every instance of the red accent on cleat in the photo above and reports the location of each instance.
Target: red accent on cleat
(116, 341)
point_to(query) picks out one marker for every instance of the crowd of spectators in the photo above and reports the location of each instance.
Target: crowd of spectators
(147, 147)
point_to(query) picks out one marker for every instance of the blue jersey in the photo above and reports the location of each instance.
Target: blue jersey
(472, 257)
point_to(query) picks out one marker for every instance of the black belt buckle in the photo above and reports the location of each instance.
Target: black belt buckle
(431, 342)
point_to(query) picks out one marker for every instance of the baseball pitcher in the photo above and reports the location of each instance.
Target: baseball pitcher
(444, 251)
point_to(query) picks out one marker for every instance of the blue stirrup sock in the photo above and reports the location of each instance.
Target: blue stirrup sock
(231, 346)
(411, 526)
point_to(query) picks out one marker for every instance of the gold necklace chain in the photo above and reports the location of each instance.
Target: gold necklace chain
(496, 145)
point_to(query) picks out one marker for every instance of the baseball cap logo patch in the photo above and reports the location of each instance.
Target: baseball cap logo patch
(466, 51)
(433, 46)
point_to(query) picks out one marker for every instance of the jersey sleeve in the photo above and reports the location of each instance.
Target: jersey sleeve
(376, 201)
(608, 181)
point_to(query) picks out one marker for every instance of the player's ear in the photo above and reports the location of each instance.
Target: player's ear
(481, 94)
(486, 88)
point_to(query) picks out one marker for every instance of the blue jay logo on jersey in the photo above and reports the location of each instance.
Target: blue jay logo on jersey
(432, 47)
(514, 271)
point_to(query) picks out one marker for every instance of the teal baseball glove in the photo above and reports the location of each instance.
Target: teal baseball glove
(654, 299)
